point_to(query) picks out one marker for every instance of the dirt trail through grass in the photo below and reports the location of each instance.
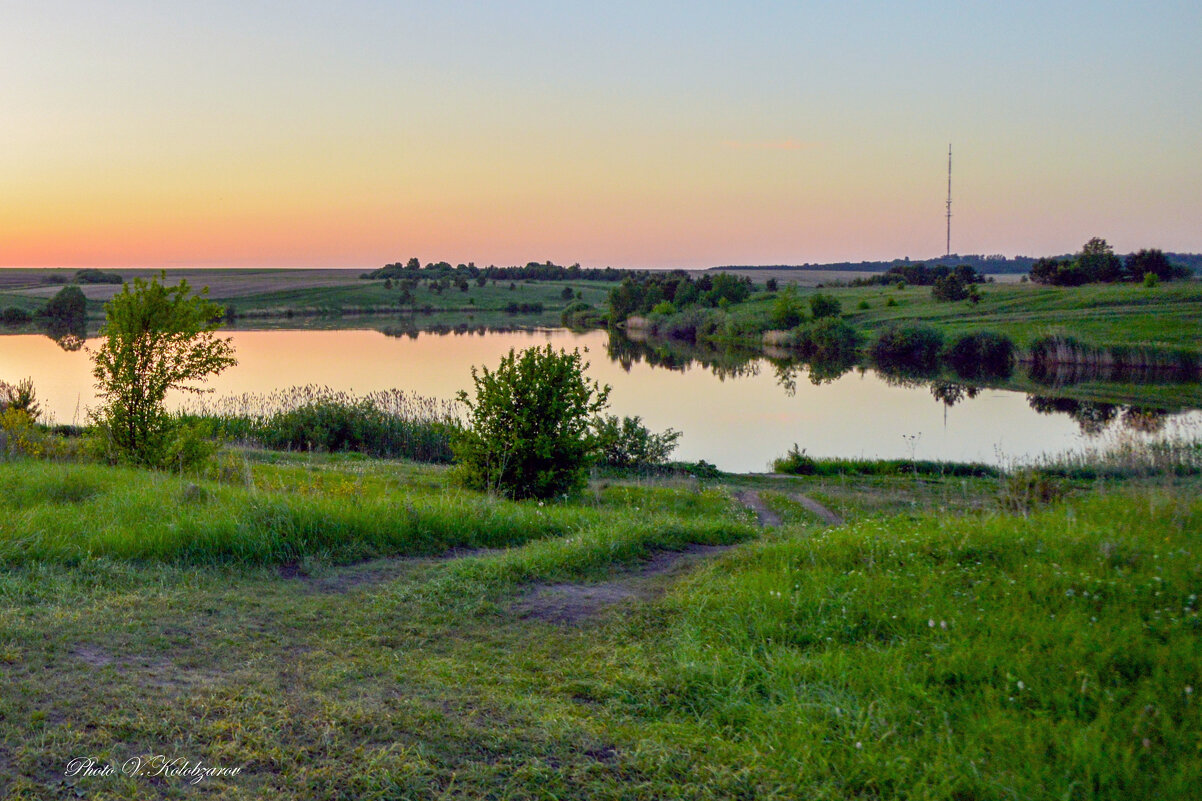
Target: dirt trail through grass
(767, 517)
(570, 604)
(818, 509)
(753, 501)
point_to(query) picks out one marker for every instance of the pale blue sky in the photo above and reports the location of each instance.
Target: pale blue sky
(638, 134)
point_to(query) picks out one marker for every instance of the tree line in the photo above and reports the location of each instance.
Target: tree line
(1097, 263)
(532, 271)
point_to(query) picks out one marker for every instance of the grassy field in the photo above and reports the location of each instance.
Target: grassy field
(1166, 315)
(643, 641)
(277, 293)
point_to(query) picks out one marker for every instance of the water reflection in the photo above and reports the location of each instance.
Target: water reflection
(737, 408)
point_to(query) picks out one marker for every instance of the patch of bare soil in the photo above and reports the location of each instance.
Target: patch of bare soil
(151, 671)
(570, 604)
(347, 578)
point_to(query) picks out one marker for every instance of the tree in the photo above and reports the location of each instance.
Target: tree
(1142, 262)
(156, 339)
(787, 311)
(1098, 262)
(529, 425)
(67, 308)
(949, 288)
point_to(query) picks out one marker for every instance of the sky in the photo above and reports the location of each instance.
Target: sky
(631, 134)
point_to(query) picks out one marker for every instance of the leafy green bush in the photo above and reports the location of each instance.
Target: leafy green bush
(907, 346)
(949, 288)
(626, 442)
(1151, 280)
(981, 353)
(67, 308)
(824, 306)
(787, 311)
(528, 433)
(156, 338)
(794, 463)
(828, 339)
(14, 315)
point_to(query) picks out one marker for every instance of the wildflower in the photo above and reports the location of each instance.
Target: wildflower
(931, 623)
(1020, 685)
(1189, 690)
(943, 624)
(859, 744)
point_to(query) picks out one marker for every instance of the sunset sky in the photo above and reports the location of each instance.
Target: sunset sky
(632, 134)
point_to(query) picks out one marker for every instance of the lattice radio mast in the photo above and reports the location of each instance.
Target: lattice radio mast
(949, 200)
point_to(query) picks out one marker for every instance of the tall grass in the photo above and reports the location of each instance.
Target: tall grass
(389, 423)
(1054, 656)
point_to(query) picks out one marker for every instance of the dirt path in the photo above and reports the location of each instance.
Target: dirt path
(818, 509)
(755, 503)
(345, 578)
(572, 604)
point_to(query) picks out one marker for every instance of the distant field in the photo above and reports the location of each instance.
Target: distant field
(816, 277)
(221, 283)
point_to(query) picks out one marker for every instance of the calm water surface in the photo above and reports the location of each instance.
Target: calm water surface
(738, 423)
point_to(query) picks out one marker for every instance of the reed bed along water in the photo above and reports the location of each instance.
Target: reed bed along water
(387, 423)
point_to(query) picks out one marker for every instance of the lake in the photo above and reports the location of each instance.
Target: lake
(738, 416)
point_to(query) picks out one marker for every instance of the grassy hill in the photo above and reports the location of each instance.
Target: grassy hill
(643, 640)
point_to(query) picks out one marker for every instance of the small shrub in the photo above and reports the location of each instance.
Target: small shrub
(863, 305)
(824, 306)
(20, 397)
(664, 308)
(626, 442)
(907, 346)
(787, 311)
(1151, 280)
(15, 316)
(528, 433)
(1026, 490)
(795, 463)
(891, 302)
(981, 353)
(949, 288)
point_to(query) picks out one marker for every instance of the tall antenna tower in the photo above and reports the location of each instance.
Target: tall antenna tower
(949, 200)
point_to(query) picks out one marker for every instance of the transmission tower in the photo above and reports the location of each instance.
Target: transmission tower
(949, 200)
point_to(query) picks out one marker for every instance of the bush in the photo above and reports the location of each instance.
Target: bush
(827, 339)
(787, 311)
(1028, 489)
(19, 397)
(156, 339)
(794, 463)
(907, 346)
(68, 307)
(949, 288)
(824, 306)
(981, 353)
(1151, 280)
(94, 276)
(528, 433)
(15, 316)
(626, 442)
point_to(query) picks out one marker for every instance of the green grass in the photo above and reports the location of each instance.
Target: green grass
(1001, 657)
(1169, 315)
(144, 614)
